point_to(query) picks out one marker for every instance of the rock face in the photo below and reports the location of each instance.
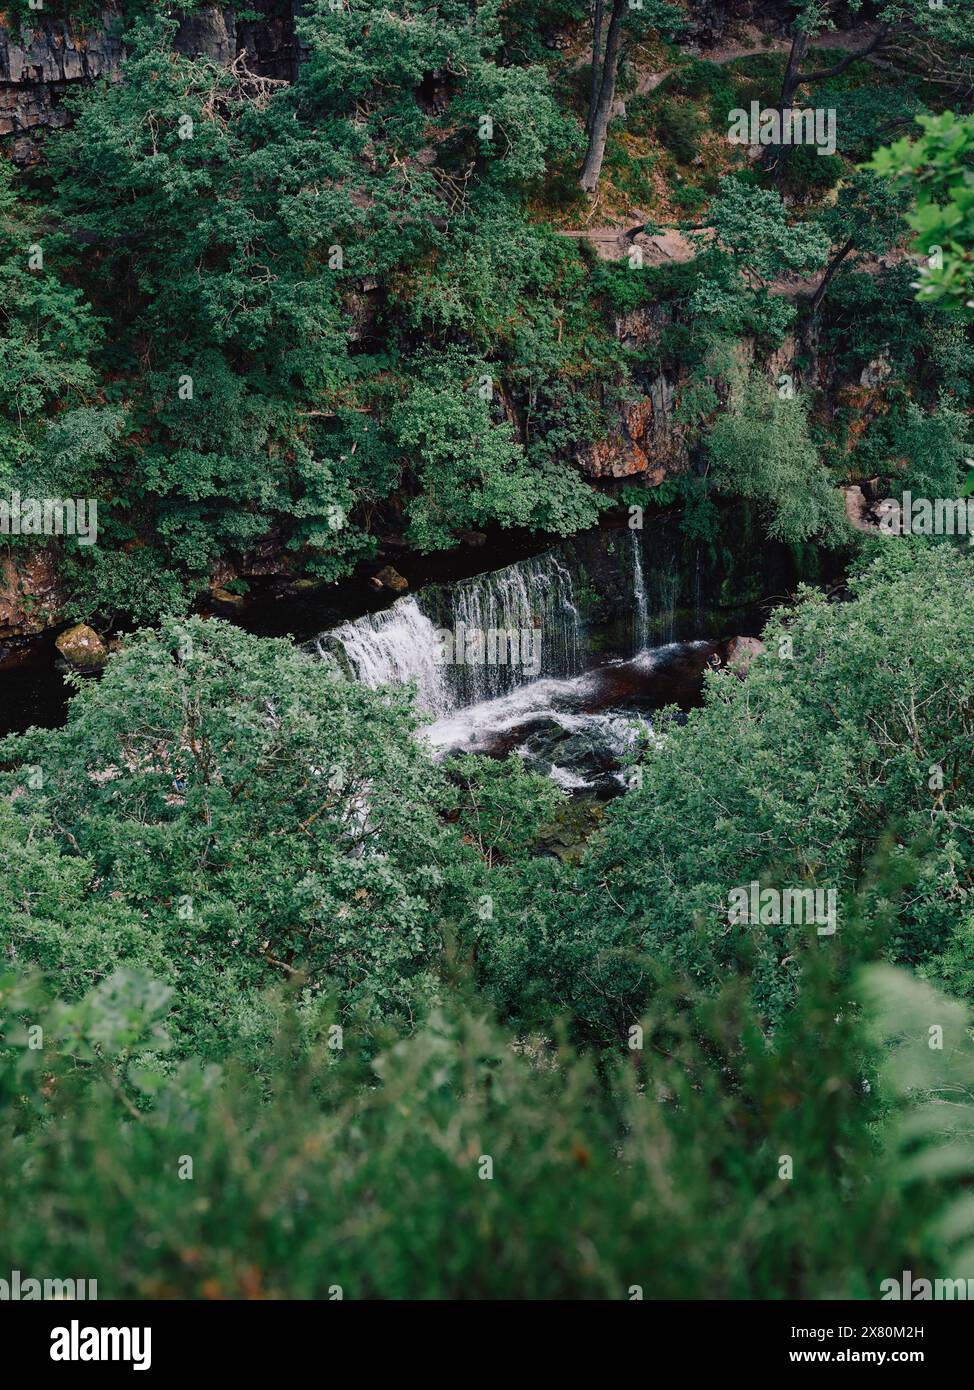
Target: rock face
(710, 20)
(82, 648)
(46, 58)
(30, 594)
(208, 32)
(38, 65)
(644, 444)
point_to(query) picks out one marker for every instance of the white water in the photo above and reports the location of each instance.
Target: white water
(640, 599)
(393, 647)
(399, 644)
(554, 717)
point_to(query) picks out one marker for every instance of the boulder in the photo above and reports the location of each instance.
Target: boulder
(227, 597)
(82, 648)
(740, 652)
(392, 579)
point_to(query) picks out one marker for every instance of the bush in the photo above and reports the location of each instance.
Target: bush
(679, 127)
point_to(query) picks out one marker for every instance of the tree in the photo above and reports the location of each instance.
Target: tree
(749, 243)
(625, 19)
(914, 27)
(866, 217)
(938, 169)
(760, 448)
(848, 735)
(245, 816)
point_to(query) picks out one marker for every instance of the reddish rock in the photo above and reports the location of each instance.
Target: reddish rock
(30, 593)
(740, 652)
(644, 445)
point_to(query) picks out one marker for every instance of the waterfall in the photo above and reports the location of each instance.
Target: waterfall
(399, 644)
(640, 599)
(534, 599)
(482, 638)
(655, 597)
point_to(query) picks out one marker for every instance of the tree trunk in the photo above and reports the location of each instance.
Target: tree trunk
(791, 81)
(833, 266)
(593, 95)
(792, 77)
(592, 167)
(795, 78)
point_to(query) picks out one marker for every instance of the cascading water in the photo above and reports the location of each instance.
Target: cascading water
(532, 604)
(499, 662)
(640, 600)
(485, 638)
(398, 645)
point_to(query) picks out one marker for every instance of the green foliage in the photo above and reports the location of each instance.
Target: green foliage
(338, 1172)
(679, 128)
(239, 276)
(940, 166)
(795, 776)
(249, 919)
(750, 243)
(761, 449)
(234, 803)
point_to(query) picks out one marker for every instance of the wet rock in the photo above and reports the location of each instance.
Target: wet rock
(390, 578)
(82, 648)
(267, 559)
(741, 651)
(222, 573)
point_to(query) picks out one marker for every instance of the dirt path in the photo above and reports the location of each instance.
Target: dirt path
(673, 247)
(838, 38)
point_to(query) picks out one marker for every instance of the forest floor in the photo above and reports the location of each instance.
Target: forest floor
(611, 237)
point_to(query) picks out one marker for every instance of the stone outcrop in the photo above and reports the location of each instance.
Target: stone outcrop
(42, 61)
(644, 445)
(38, 65)
(209, 32)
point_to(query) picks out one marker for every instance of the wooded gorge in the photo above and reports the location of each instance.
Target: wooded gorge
(486, 614)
